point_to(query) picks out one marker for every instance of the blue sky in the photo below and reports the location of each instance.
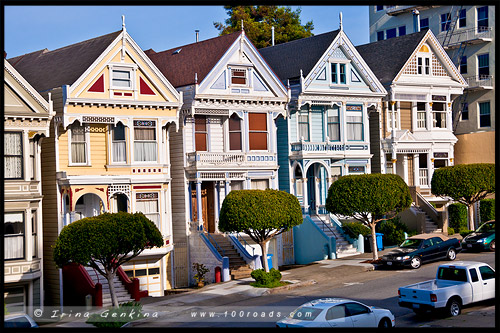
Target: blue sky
(32, 28)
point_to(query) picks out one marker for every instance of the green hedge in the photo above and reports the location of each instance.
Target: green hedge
(457, 214)
(487, 210)
(393, 230)
(354, 229)
(264, 279)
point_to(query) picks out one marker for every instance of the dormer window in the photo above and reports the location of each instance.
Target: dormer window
(424, 61)
(121, 79)
(338, 71)
(238, 76)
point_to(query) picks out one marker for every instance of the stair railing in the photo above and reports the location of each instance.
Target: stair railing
(325, 225)
(214, 242)
(245, 243)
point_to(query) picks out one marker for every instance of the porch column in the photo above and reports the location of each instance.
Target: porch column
(416, 169)
(199, 208)
(217, 205)
(305, 199)
(405, 167)
(430, 167)
(226, 187)
(316, 192)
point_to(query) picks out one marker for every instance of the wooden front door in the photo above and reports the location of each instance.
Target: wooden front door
(207, 206)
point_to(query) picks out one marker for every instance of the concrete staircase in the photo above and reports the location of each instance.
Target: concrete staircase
(344, 248)
(121, 293)
(430, 225)
(238, 268)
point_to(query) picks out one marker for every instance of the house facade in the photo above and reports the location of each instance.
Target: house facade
(227, 137)
(467, 34)
(325, 134)
(413, 134)
(109, 146)
(27, 116)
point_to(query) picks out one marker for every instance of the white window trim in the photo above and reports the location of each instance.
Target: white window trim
(239, 68)
(131, 68)
(132, 140)
(110, 146)
(424, 55)
(87, 146)
(329, 72)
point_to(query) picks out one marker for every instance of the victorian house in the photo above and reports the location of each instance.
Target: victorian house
(109, 145)
(325, 134)
(27, 117)
(413, 134)
(227, 141)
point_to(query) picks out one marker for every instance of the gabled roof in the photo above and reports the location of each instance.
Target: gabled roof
(46, 69)
(387, 57)
(180, 64)
(288, 59)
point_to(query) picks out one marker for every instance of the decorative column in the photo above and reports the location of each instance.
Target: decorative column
(199, 208)
(393, 136)
(416, 169)
(305, 198)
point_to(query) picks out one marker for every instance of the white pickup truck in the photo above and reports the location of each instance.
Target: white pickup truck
(455, 285)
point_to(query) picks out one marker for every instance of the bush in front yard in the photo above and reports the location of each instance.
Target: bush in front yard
(457, 215)
(487, 210)
(393, 230)
(265, 279)
(354, 229)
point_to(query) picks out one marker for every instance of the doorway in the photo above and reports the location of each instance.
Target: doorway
(207, 206)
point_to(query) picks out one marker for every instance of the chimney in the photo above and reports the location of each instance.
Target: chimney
(272, 35)
(197, 35)
(416, 20)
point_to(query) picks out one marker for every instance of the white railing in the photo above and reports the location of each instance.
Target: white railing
(229, 158)
(479, 81)
(423, 177)
(466, 35)
(317, 146)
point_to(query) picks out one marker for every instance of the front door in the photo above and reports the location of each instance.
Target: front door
(311, 189)
(207, 206)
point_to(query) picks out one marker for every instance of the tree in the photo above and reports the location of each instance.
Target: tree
(465, 183)
(369, 198)
(109, 240)
(261, 214)
(258, 21)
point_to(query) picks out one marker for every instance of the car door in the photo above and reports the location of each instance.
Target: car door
(428, 252)
(488, 277)
(337, 316)
(361, 315)
(477, 285)
(440, 248)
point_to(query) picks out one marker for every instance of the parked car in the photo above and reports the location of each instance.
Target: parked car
(455, 285)
(19, 321)
(422, 248)
(338, 312)
(481, 239)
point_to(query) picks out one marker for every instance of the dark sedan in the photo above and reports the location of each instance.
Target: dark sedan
(422, 248)
(481, 239)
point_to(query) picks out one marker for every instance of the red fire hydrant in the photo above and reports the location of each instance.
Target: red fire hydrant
(217, 274)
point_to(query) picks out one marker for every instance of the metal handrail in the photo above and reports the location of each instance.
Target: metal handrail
(324, 224)
(212, 240)
(238, 237)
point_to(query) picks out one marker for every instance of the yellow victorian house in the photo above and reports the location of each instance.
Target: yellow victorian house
(108, 149)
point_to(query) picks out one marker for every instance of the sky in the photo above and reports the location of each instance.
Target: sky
(32, 28)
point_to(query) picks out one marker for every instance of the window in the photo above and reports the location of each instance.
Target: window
(380, 35)
(259, 184)
(239, 76)
(118, 143)
(333, 123)
(304, 125)
(147, 203)
(145, 149)
(379, 8)
(200, 133)
(34, 233)
(336, 312)
(465, 111)
(482, 19)
(486, 273)
(421, 115)
(121, 79)
(391, 33)
(13, 155)
(439, 115)
(355, 309)
(463, 65)
(423, 65)
(483, 64)
(32, 164)
(402, 30)
(462, 19)
(445, 21)
(13, 236)
(338, 73)
(424, 23)
(78, 144)
(234, 132)
(484, 114)
(15, 299)
(354, 120)
(257, 131)
(334, 73)
(473, 275)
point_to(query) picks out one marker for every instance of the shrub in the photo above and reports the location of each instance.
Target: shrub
(451, 231)
(353, 229)
(457, 214)
(464, 232)
(266, 279)
(393, 230)
(117, 317)
(487, 210)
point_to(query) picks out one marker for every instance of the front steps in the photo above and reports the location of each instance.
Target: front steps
(121, 293)
(344, 248)
(238, 268)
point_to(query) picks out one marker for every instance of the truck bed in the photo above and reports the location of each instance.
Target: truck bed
(432, 285)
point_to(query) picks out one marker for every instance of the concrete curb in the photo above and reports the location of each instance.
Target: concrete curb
(289, 287)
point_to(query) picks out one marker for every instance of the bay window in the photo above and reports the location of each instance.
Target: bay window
(13, 155)
(118, 143)
(257, 131)
(333, 123)
(234, 132)
(145, 145)
(439, 115)
(421, 115)
(303, 118)
(354, 120)
(14, 236)
(78, 144)
(200, 133)
(148, 204)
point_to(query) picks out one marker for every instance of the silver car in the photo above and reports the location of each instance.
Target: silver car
(338, 312)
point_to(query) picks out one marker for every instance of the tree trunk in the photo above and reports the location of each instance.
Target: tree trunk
(264, 256)
(110, 277)
(470, 217)
(374, 242)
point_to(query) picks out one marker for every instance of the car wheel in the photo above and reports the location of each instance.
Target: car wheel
(452, 254)
(385, 323)
(453, 308)
(492, 246)
(415, 262)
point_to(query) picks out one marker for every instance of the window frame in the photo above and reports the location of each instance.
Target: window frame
(131, 70)
(480, 116)
(445, 21)
(196, 132)
(153, 126)
(257, 131)
(150, 197)
(113, 141)
(20, 155)
(86, 140)
(441, 113)
(233, 70)
(235, 131)
(23, 234)
(301, 125)
(462, 18)
(465, 106)
(480, 68)
(337, 123)
(424, 20)
(338, 73)
(480, 27)
(354, 113)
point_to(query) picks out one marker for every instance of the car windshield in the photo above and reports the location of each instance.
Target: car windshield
(487, 227)
(411, 243)
(306, 313)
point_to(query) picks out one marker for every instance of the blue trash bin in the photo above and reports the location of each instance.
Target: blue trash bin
(380, 245)
(270, 260)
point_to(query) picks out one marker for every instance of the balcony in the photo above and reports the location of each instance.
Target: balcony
(209, 160)
(480, 82)
(328, 148)
(470, 36)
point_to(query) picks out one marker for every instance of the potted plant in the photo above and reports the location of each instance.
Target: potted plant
(201, 270)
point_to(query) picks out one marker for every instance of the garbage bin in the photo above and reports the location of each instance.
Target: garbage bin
(368, 243)
(380, 245)
(270, 260)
